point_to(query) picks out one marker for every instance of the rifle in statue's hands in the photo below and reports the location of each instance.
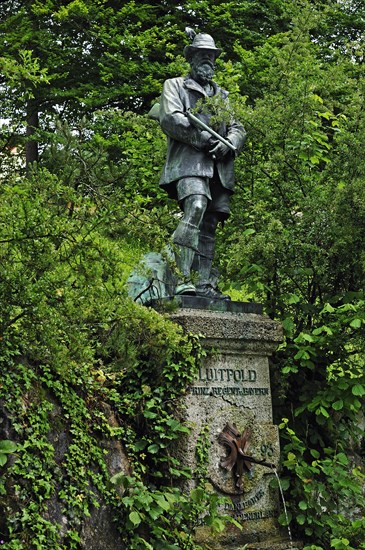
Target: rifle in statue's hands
(197, 122)
(155, 115)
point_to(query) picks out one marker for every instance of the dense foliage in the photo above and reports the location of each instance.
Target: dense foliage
(83, 365)
(296, 243)
(77, 78)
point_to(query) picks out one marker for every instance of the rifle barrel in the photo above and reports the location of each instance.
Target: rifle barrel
(212, 132)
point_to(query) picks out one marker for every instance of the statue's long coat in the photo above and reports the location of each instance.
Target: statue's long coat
(185, 150)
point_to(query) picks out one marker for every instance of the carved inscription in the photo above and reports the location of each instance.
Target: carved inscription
(217, 390)
(249, 516)
(237, 509)
(239, 506)
(227, 375)
(222, 381)
(254, 516)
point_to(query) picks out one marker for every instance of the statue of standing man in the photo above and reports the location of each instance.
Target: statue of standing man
(199, 167)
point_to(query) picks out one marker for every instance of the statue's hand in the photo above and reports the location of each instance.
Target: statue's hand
(219, 150)
(205, 139)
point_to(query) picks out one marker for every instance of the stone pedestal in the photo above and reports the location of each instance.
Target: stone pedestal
(233, 388)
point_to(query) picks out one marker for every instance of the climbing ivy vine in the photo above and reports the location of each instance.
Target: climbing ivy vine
(84, 368)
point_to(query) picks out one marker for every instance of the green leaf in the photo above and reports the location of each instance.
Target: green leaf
(171, 498)
(120, 479)
(3, 459)
(162, 502)
(285, 519)
(288, 324)
(303, 505)
(322, 411)
(217, 525)
(356, 323)
(321, 329)
(301, 519)
(290, 368)
(149, 414)
(140, 445)
(293, 299)
(342, 458)
(337, 405)
(302, 354)
(7, 446)
(155, 512)
(173, 424)
(249, 231)
(135, 518)
(358, 523)
(197, 495)
(358, 390)
(153, 449)
(233, 521)
(285, 483)
(328, 309)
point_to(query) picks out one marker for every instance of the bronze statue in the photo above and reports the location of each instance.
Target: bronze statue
(199, 167)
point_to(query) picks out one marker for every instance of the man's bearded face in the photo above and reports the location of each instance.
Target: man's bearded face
(202, 66)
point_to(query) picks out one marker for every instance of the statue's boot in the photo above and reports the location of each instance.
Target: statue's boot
(203, 262)
(186, 237)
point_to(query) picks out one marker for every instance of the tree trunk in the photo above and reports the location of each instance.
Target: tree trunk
(31, 146)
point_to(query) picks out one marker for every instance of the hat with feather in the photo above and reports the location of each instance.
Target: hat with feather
(200, 41)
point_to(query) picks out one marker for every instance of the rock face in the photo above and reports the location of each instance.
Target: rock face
(98, 531)
(230, 406)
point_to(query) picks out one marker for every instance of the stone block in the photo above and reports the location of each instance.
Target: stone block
(232, 392)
